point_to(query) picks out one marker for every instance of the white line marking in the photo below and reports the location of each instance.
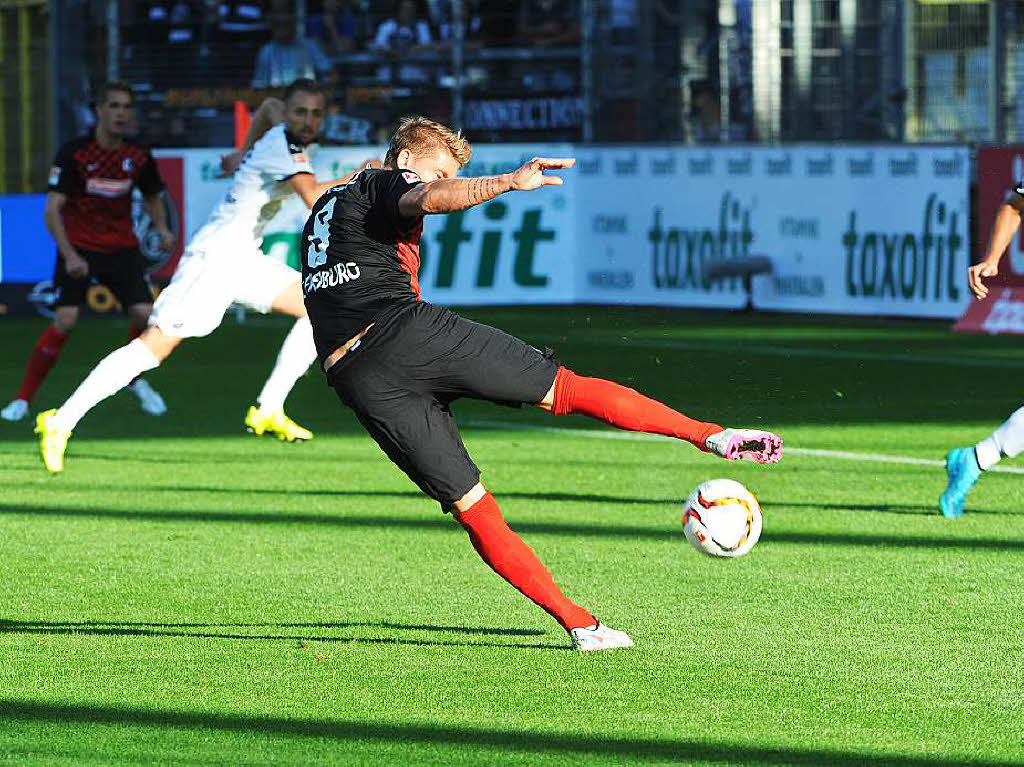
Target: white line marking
(788, 351)
(839, 455)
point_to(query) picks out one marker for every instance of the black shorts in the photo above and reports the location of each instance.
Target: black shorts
(123, 271)
(401, 381)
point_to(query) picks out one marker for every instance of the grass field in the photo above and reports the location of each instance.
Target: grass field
(187, 594)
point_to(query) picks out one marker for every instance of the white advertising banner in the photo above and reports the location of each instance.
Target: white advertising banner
(850, 230)
(516, 249)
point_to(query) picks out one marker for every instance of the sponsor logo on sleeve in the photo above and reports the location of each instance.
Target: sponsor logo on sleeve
(54, 176)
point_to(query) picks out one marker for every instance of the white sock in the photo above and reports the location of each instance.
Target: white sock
(113, 373)
(1007, 440)
(296, 355)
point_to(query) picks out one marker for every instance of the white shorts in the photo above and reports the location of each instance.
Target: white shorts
(209, 279)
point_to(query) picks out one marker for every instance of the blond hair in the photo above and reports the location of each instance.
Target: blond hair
(420, 135)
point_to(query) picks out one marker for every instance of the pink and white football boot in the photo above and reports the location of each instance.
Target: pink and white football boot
(746, 445)
(600, 637)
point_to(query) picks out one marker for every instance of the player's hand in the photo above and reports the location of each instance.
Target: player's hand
(167, 240)
(229, 163)
(76, 266)
(977, 273)
(531, 175)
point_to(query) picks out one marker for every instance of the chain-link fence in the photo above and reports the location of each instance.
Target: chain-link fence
(689, 71)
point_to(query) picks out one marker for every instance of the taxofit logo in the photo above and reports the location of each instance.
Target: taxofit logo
(907, 265)
(680, 254)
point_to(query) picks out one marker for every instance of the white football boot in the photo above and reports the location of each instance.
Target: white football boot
(746, 445)
(600, 637)
(16, 410)
(149, 399)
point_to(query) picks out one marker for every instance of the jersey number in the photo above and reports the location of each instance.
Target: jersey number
(316, 254)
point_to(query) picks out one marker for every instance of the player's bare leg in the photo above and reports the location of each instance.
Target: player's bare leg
(42, 359)
(509, 556)
(149, 398)
(626, 408)
(113, 373)
(297, 353)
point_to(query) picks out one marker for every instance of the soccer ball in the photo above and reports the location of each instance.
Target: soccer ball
(722, 518)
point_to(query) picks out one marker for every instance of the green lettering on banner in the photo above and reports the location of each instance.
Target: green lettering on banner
(488, 267)
(283, 246)
(527, 238)
(731, 239)
(903, 267)
(849, 243)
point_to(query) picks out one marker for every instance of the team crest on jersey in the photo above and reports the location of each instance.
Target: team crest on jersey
(54, 176)
(126, 165)
(410, 177)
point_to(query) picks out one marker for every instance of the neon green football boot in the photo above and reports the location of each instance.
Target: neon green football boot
(53, 441)
(277, 423)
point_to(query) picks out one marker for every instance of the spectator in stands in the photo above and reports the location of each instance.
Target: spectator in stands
(441, 18)
(549, 23)
(406, 32)
(172, 22)
(287, 58)
(242, 20)
(706, 112)
(335, 29)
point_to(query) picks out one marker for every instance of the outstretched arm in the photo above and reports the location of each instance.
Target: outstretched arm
(448, 195)
(267, 115)
(1006, 225)
(306, 186)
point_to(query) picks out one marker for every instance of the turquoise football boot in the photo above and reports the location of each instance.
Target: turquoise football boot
(962, 472)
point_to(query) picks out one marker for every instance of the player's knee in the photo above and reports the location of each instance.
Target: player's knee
(159, 344)
(469, 499)
(290, 301)
(65, 318)
(139, 314)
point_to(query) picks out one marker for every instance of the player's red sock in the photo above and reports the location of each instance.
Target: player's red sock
(625, 408)
(40, 361)
(510, 557)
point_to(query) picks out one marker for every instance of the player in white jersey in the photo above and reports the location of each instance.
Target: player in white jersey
(223, 264)
(964, 465)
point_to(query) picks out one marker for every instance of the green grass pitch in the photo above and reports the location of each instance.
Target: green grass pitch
(187, 594)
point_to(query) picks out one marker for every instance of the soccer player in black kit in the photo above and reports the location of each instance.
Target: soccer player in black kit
(399, 362)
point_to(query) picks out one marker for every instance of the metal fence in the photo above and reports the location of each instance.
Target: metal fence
(689, 71)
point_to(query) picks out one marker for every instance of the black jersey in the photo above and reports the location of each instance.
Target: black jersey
(360, 257)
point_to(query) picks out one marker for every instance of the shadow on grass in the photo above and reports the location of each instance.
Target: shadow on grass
(202, 631)
(443, 524)
(930, 510)
(474, 740)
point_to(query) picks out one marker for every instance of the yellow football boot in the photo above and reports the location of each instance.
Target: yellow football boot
(52, 442)
(277, 423)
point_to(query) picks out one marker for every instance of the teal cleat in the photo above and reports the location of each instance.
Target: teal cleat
(962, 472)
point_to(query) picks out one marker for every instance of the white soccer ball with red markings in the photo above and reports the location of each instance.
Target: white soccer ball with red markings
(722, 518)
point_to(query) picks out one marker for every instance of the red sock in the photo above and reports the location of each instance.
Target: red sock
(43, 357)
(625, 408)
(510, 557)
